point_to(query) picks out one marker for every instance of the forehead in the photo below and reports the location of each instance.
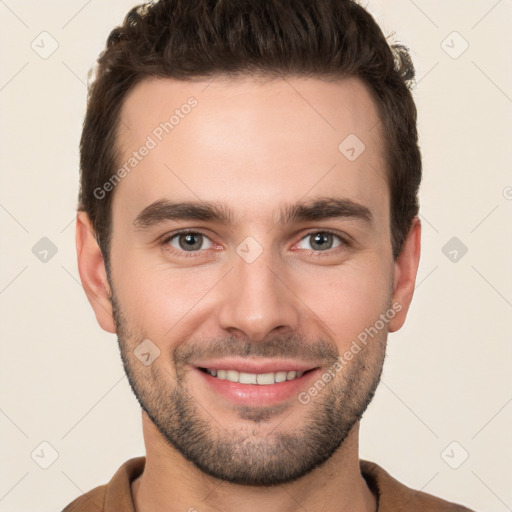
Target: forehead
(249, 143)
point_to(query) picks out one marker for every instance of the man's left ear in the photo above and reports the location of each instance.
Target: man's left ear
(404, 277)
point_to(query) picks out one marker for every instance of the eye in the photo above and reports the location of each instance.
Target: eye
(320, 241)
(189, 241)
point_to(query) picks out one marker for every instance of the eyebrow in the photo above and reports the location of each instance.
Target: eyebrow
(314, 210)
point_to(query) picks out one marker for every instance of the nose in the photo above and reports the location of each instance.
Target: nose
(257, 299)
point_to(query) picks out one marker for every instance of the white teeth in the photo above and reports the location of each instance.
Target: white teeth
(280, 376)
(262, 379)
(248, 378)
(266, 378)
(232, 375)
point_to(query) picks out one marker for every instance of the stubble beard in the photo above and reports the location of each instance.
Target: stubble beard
(242, 454)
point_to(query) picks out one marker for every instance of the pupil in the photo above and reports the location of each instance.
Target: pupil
(321, 239)
(192, 241)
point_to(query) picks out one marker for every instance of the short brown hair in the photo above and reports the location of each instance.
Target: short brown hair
(190, 39)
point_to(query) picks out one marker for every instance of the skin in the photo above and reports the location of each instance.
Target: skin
(253, 146)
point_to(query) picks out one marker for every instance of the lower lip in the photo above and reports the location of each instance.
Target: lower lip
(255, 394)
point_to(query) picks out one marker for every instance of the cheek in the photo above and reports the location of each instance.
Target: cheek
(347, 299)
(159, 300)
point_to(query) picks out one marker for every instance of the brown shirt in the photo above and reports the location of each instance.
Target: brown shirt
(392, 496)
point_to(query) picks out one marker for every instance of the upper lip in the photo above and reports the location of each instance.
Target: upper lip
(255, 365)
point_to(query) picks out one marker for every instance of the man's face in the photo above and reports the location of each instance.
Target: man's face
(265, 288)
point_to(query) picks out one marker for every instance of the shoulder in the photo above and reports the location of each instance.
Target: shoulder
(93, 501)
(392, 493)
(116, 495)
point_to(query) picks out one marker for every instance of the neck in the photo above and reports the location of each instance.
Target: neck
(171, 483)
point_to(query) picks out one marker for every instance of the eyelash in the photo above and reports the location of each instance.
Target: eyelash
(194, 254)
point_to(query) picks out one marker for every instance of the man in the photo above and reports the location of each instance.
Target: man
(248, 228)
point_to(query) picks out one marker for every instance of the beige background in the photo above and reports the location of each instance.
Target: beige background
(447, 375)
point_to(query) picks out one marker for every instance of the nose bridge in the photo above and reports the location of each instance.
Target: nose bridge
(255, 301)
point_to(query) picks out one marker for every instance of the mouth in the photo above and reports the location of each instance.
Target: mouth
(255, 384)
(260, 379)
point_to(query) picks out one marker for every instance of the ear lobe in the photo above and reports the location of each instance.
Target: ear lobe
(405, 271)
(91, 267)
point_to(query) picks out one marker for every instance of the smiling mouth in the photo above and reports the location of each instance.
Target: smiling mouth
(262, 379)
